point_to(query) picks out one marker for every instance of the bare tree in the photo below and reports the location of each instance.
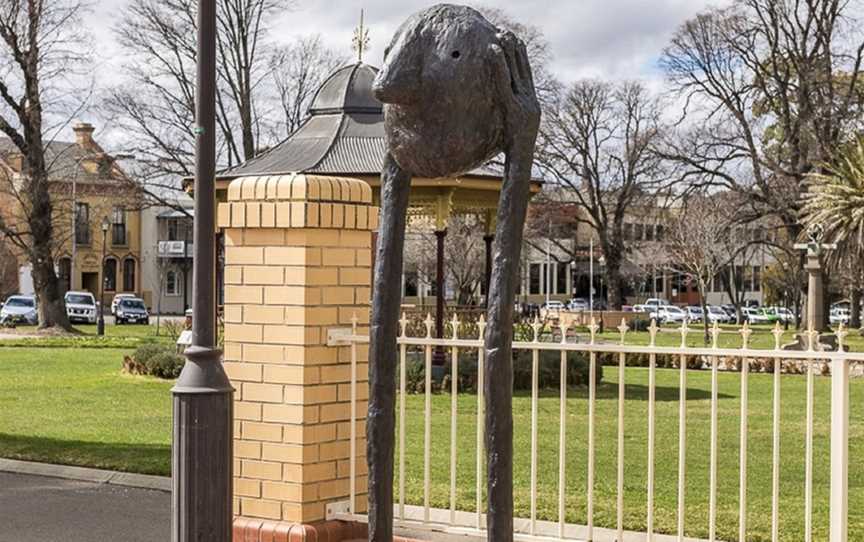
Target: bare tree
(596, 144)
(299, 69)
(696, 243)
(771, 88)
(40, 50)
(155, 108)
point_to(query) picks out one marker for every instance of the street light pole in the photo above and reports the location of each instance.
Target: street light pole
(100, 324)
(203, 397)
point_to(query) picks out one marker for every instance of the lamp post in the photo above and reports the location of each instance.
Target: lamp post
(203, 408)
(100, 324)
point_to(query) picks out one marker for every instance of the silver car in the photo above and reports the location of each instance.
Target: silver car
(81, 307)
(19, 309)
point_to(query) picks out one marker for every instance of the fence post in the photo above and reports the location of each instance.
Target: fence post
(298, 251)
(839, 450)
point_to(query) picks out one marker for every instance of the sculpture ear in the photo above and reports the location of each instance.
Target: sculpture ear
(510, 64)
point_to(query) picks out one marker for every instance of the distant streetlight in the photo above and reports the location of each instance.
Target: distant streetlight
(100, 325)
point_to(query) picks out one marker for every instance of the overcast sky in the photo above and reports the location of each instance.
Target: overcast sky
(589, 38)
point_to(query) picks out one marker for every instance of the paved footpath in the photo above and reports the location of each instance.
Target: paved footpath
(41, 509)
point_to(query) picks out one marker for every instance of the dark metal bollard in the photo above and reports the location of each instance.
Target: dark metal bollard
(201, 453)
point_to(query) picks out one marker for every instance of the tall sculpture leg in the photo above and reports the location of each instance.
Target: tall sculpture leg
(522, 117)
(387, 298)
(512, 209)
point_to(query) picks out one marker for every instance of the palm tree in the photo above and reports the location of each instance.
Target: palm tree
(835, 202)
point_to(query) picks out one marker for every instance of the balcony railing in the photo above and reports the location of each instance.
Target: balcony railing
(175, 249)
(738, 429)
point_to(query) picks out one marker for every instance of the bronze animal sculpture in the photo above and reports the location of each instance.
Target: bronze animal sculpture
(457, 92)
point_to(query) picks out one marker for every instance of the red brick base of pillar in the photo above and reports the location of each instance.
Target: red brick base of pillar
(262, 530)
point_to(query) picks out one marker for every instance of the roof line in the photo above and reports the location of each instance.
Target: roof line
(330, 145)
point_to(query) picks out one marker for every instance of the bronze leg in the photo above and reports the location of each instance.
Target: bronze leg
(383, 357)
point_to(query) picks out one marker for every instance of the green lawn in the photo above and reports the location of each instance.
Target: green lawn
(698, 431)
(74, 406)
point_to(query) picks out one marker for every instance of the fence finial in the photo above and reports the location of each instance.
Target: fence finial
(778, 335)
(403, 324)
(812, 338)
(652, 332)
(745, 335)
(715, 335)
(684, 330)
(564, 326)
(623, 328)
(593, 328)
(429, 323)
(454, 322)
(481, 327)
(535, 325)
(354, 321)
(842, 332)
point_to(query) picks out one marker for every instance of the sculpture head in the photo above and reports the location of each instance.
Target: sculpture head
(442, 113)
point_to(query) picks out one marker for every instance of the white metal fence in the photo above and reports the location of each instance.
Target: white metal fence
(472, 521)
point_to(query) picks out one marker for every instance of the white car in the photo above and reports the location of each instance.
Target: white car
(19, 309)
(81, 307)
(839, 315)
(656, 302)
(116, 301)
(717, 314)
(555, 306)
(754, 316)
(694, 313)
(670, 314)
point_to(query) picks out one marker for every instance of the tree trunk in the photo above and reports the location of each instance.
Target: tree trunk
(704, 305)
(50, 302)
(855, 309)
(614, 282)
(49, 294)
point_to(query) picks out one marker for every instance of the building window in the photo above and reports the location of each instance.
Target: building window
(658, 283)
(757, 278)
(129, 275)
(659, 232)
(118, 226)
(411, 284)
(638, 232)
(563, 276)
(110, 274)
(534, 279)
(172, 284)
(649, 232)
(82, 224)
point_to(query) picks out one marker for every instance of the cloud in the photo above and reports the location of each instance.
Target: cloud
(616, 39)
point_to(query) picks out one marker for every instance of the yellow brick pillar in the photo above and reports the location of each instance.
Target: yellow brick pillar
(297, 262)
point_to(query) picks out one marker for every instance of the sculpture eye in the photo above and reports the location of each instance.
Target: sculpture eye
(455, 54)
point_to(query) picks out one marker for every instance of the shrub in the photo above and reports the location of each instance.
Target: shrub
(154, 360)
(165, 365)
(549, 370)
(145, 352)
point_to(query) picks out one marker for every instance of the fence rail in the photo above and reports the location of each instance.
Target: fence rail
(531, 528)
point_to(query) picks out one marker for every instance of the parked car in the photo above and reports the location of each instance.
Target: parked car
(81, 307)
(731, 311)
(782, 314)
(753, 316)
(717, 314)
(670, 314)
(839, 315)
(770, 315)
(117, 299)
(656, 302)
(131, 310)
(578, 304)
(694, 313)
(19, 309)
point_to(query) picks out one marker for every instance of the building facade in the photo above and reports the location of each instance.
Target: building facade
(96, 212)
